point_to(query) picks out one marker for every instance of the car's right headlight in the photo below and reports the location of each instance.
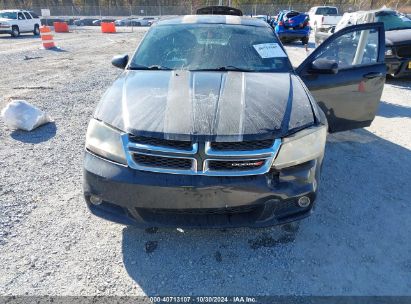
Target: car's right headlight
(301, 147)
(388, 51)
(105, 141)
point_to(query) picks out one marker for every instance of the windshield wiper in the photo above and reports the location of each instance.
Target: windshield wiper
(233, 68)
(160, 67)
(225, 68)
(151, 67)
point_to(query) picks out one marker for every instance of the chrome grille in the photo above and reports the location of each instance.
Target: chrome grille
(214, 159)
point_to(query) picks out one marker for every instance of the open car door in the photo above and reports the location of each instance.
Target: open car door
(346, 75)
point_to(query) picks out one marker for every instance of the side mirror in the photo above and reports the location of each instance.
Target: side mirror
(120, 61)
(323, 66)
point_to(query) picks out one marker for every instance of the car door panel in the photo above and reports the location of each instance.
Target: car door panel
(22, 22)
(359, 98)
(30, 21)
(349, 98)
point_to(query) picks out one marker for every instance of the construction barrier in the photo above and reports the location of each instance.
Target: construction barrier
(61, 27)
(47, 37)
(108, 27)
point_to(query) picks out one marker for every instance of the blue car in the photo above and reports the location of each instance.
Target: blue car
(291, 26)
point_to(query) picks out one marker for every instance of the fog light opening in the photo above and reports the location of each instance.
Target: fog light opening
(304, 201)
(95, 200)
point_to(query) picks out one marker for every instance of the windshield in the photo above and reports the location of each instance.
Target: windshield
(211, 47)
(326, 11)
(394, 21)
(8, 15)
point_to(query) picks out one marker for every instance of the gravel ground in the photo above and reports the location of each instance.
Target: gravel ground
(356, 243)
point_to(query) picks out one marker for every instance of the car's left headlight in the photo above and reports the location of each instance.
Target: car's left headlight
(4, 25)
(105, 141)
(301, 147)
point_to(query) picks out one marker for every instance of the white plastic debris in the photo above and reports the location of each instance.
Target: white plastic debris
(19, 114)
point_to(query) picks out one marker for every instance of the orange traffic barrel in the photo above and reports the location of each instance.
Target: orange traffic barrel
(108, 27)
(46, 37)
(61, 27)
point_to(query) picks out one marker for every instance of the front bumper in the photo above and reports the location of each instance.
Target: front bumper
(398, 67)
(5, 30)
(148, 199)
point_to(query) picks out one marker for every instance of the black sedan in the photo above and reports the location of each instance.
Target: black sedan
(209, 125)
(99, 21)
(85, 21)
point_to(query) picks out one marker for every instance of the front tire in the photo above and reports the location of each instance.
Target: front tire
(304, 40)
(36, 31)
(15, 32)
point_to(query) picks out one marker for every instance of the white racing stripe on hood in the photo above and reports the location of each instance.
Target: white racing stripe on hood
(125, 109)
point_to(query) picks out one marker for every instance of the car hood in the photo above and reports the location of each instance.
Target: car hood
(5, 20)
(398, 37)
(211, 106)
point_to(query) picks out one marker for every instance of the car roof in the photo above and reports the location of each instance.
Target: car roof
(213, 19)
(14, 11)
(321, 6)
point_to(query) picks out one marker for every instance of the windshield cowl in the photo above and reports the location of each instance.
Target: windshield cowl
(224, 68)
(151, 67)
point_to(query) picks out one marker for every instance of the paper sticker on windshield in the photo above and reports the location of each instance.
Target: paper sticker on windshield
(269, 50)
